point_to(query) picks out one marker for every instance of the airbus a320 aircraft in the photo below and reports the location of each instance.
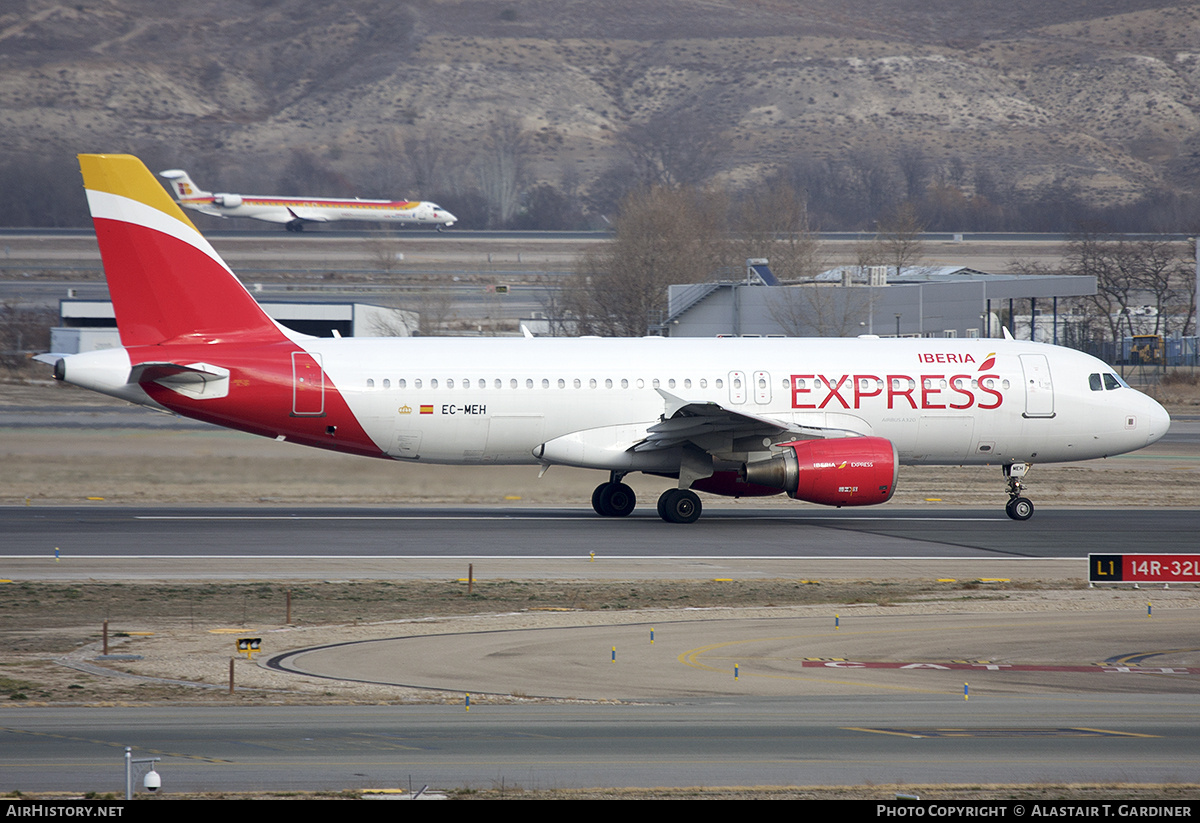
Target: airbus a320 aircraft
(294, 212)
(826, 421)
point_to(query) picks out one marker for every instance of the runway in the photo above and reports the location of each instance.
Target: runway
(877, 699)
(495, 532)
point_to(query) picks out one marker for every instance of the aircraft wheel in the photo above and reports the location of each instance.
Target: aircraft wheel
(679, 506)
(618, 499)
(613, 500)
(598, 501)
(1019, 508)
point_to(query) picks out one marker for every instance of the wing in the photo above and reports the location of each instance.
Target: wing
(709, 425)
(308, 215)
(691, 438)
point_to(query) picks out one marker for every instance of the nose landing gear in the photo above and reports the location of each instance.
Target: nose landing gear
(1018, 506)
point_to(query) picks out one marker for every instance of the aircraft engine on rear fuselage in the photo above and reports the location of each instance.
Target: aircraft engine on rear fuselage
(227, 201)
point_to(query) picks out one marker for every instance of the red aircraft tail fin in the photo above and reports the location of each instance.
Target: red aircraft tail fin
(167, 283)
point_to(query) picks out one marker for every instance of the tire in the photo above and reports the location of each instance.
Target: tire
(598, 500)
(618, 499)
(1019, 508)
(680, 506)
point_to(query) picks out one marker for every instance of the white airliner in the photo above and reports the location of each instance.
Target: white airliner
(825, 420)
(294, 212)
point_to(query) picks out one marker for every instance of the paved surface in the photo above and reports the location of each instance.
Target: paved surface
(451, 532)
(817, 741)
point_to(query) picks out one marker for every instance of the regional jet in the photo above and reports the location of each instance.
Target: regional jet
(294, 212)
(827, 421)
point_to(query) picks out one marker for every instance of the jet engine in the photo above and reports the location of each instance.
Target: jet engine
(852, 471)
(227, 201)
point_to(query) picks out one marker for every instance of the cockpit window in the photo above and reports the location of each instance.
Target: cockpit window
(1111, 381)
(1094, 382)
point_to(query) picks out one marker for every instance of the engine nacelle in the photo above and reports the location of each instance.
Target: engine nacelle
(227, 201)
(851, 471)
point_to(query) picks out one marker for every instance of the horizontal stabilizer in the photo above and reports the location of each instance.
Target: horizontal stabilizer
(197, 380)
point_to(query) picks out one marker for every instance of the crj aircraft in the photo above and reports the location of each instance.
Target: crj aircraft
(294, 212)
(827, 421)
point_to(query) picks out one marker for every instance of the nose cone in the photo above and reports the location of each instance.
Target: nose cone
(446, 217)
(1158, 421)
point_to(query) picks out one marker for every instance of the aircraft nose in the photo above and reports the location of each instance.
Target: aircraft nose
(1159, 421)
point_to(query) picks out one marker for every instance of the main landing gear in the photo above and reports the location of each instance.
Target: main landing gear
(679, 506)
(1018, 507)
(615, 499)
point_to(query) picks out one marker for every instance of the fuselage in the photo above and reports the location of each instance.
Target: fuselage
(465, 401)
(320, 210)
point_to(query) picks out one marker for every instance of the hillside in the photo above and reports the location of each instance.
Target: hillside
(1101, 99)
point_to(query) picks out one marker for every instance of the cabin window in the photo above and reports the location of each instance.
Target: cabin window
(401, 383)
(562, 384)
(512, 384)
(704, 383)
(450, 383)
(417, 383)
(719, 383)
(671, 383)
(387, 384)
(654, 383)
(624, 383)
(641, 384)
(528, 383)
(433, 383)
(545, 383)
(371, 382)
(483, 383)
(608, 383)
(578, 383)
(687, 383)
(592, 383)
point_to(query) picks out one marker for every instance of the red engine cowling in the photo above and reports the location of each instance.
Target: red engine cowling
(851, 471)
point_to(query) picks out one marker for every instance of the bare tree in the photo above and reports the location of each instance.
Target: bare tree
(501, 169)
(677, 147)
(819, 309)
(899, 239)
(772, 222)
(661, 236)
(1129, 272)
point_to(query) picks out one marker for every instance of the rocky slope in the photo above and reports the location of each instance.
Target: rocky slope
(384, 95)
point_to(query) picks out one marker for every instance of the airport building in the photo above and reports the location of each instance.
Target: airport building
(928, 301)
(88, 325)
